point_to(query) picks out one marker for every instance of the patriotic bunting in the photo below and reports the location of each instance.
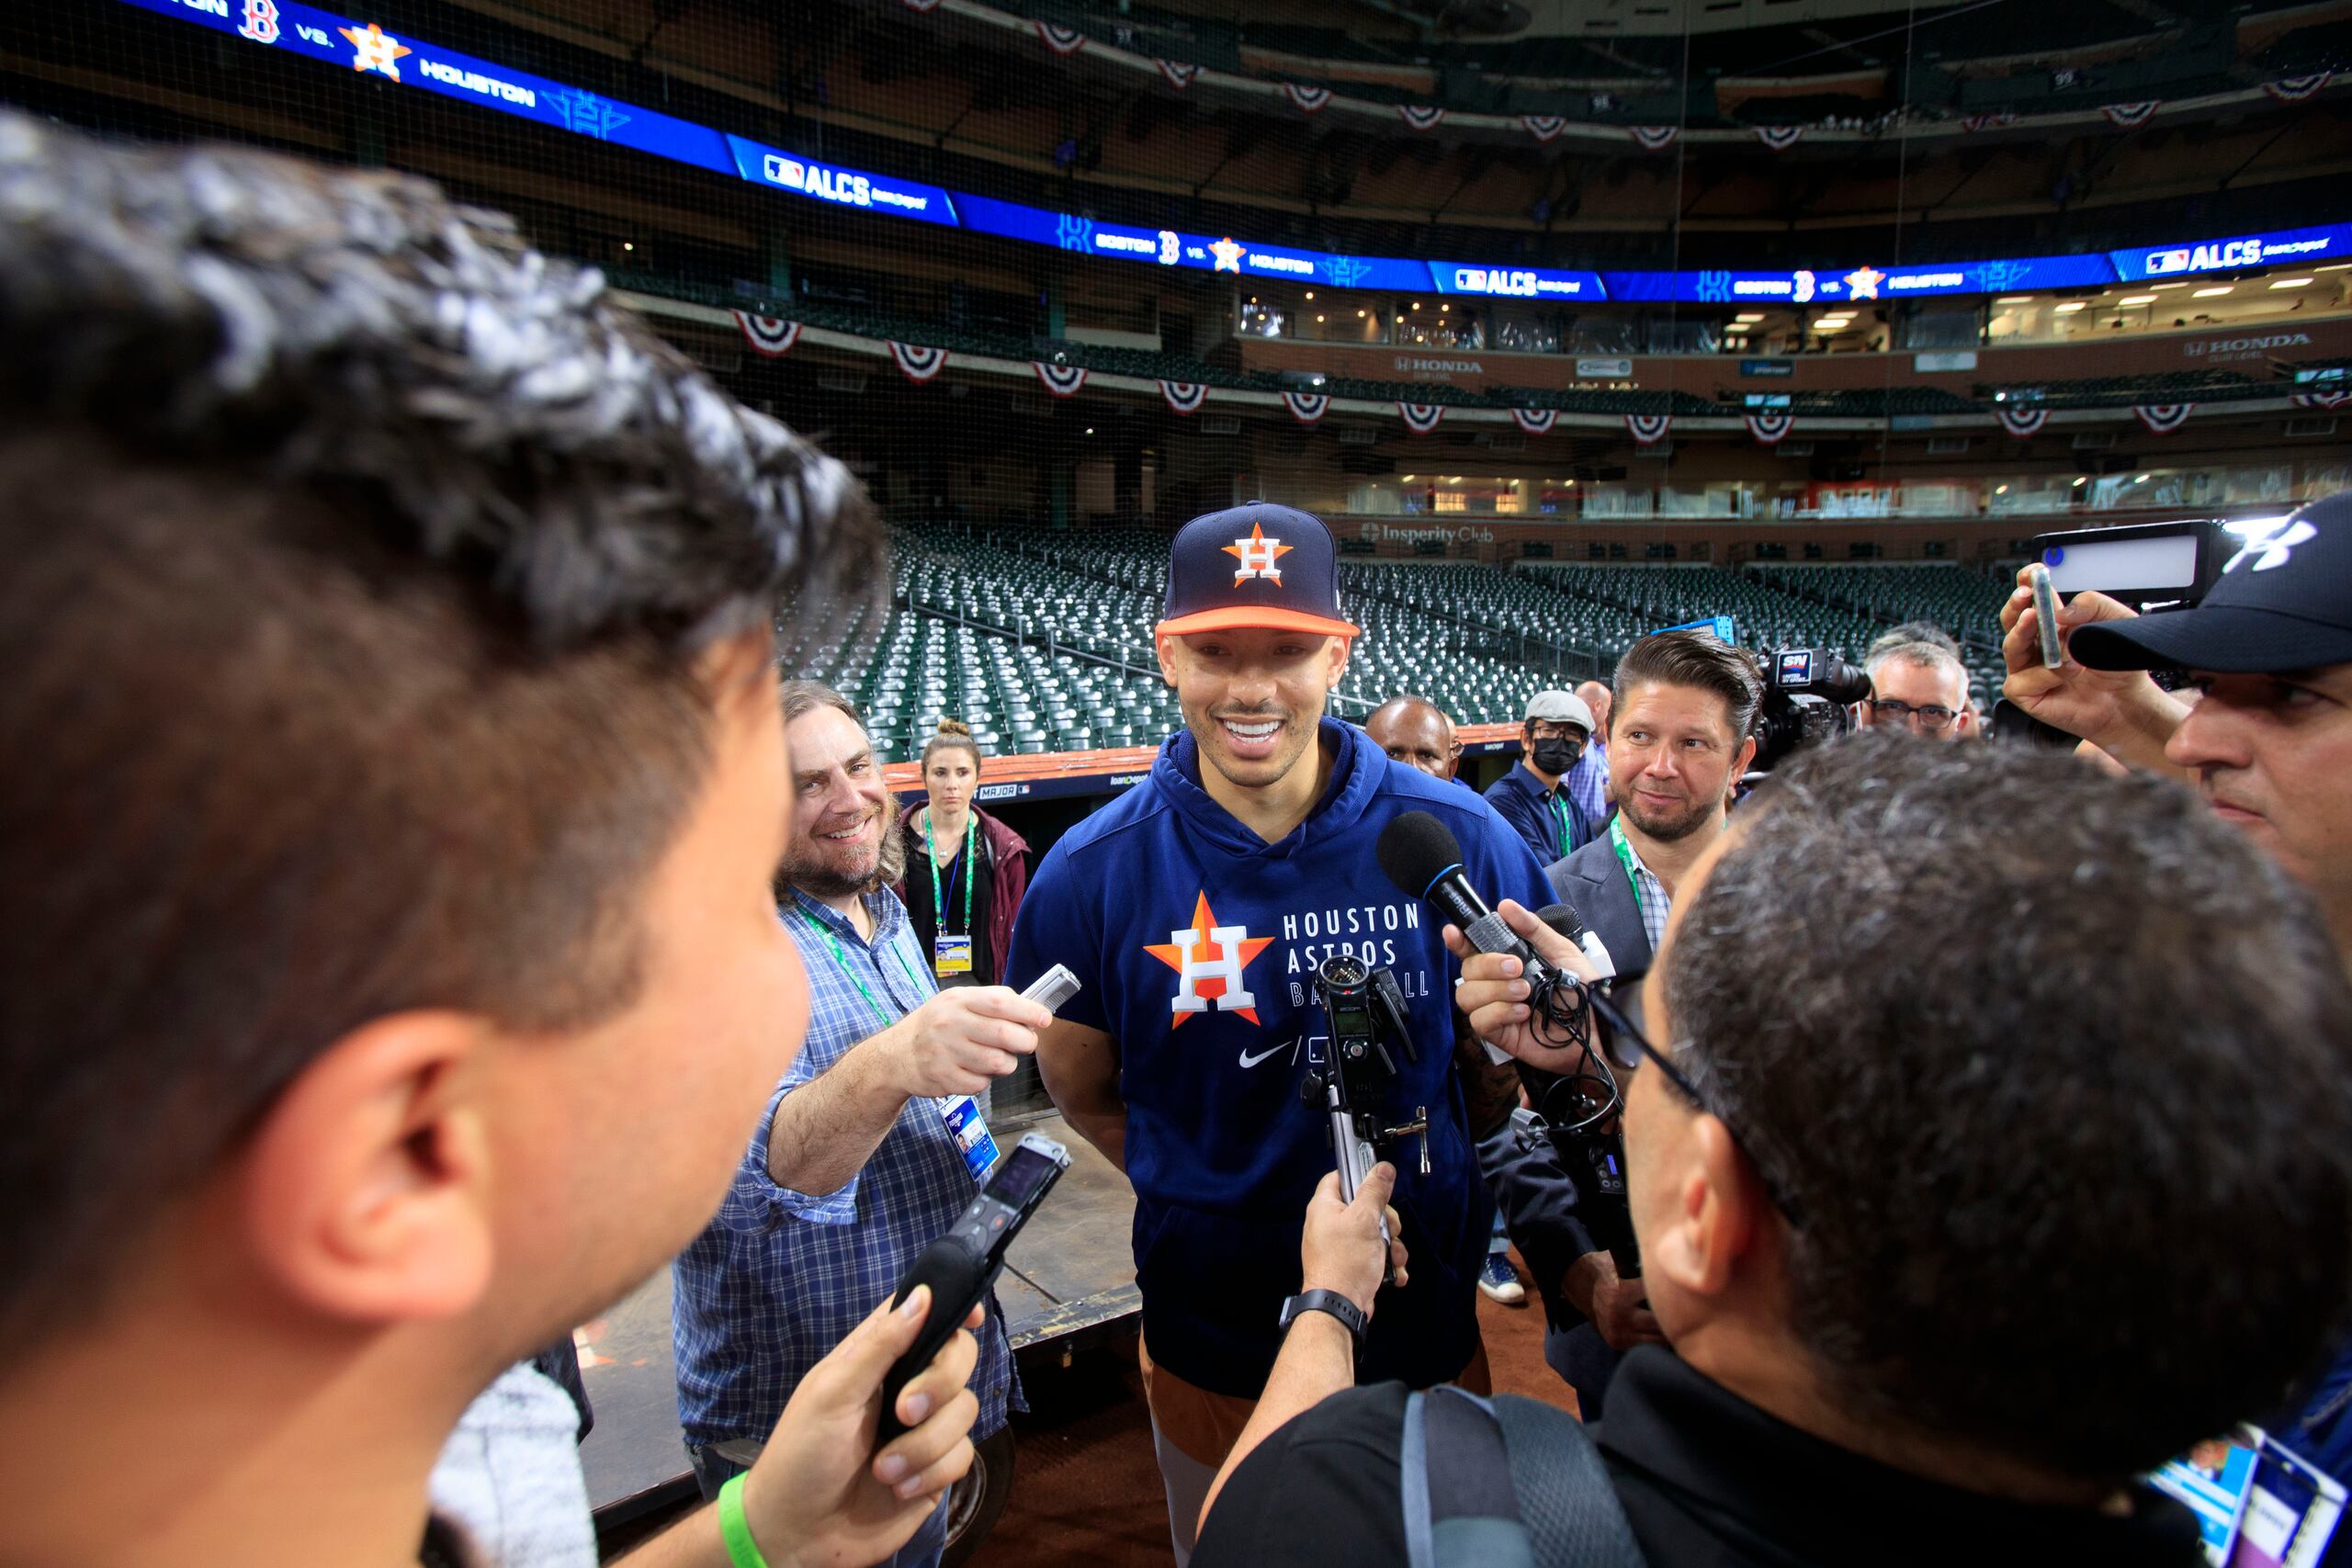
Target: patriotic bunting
(1768, 428)
(767, 334)
(2021, 422)
(1656, 137)
(1062, 380)
(2295, 89)
(1975, 122)
(1184, 396)
(1418, 117)
(1536, 422)
(1543, 126)
(2129, 115)
(2323, 400)
(917, 363)
(1649, 428)
(1311, 100)
(2162, 419)
(1307, 406)
(1780, 138)
(1061, 40)
(1421, 418)
(1179, 76)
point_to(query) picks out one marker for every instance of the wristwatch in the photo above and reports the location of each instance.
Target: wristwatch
(1337, 1305)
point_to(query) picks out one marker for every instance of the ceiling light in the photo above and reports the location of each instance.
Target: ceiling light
(1319, 318)
(1090, 430)
(1443, 309)
(1359, 315)
(2080, 482)
(2141, 480)
(1310, 294)
(2072, 305)
(2000, 489)
(629, 244)
(2165, 287)
(1416, 304)
(2213, 293)
(1408, 478)
(2137, 299)
(1748, 316)
(2291, 283)
(2014, 299)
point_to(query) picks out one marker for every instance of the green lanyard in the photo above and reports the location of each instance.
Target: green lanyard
(1561, 820)
(938, 903)
(1625, 858)
(832, 942)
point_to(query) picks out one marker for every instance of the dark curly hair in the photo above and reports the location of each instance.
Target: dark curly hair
(2077, 1185)
(363, 567)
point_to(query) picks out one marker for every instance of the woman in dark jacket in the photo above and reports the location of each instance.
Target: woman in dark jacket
(966, 870)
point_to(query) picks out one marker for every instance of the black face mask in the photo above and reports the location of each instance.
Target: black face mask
(1555, 754)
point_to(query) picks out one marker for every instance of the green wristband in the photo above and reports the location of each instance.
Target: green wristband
(741, 1549)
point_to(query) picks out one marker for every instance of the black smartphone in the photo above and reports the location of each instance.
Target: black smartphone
(962, 1265)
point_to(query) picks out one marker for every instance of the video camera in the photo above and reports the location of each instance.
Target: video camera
(1807, 694)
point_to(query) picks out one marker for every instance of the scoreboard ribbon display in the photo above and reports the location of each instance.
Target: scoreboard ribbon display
(365, 48)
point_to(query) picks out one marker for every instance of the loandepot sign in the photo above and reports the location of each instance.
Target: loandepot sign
(364, 47)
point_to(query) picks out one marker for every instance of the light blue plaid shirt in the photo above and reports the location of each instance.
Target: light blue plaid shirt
(779, 1278)
(1587, 784)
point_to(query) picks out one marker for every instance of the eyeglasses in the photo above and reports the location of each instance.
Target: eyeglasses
(1933, 715)
(1623, 1033)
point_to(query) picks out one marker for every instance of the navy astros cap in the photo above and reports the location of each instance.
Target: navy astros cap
(2283, 601)
(1259, 565)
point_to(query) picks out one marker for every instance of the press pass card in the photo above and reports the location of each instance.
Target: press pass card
(2214, 1480)
(2292, 1513)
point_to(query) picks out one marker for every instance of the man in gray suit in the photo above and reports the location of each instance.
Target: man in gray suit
(1683, 707)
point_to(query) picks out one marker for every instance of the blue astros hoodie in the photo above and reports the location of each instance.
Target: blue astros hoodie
(1197, 942)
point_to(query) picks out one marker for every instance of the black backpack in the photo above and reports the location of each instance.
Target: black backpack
(1506, 1482)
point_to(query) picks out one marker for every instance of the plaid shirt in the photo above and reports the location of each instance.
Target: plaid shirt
(779, 1278)
(1649, 893)
(1588, 782)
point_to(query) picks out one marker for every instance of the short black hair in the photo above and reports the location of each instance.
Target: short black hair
(2077, 1186)
(362, 562)
(1693, 658)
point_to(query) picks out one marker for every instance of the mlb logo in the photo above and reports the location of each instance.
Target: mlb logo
(784, 171)
(2162, 262)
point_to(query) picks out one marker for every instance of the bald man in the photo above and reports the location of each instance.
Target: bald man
(1415, 731)
(1587, 782)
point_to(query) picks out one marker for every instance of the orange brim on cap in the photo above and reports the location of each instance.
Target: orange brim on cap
(1246, 617)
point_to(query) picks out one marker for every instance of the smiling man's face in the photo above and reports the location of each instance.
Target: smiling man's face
(839, 806)
(1253, 697)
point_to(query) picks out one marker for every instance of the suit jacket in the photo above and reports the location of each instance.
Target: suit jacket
(1592, 883)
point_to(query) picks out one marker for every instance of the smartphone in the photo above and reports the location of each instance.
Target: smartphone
(2045, 615)
(961, 1266)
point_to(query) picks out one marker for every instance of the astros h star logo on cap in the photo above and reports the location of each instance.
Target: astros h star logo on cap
(1258, 555)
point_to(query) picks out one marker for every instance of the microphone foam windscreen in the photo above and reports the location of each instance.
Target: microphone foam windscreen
(1414, 849)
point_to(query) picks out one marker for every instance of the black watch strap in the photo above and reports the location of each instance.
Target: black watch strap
(1337, 1305)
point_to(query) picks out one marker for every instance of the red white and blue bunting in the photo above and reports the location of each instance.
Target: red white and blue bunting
(917, 362)
(2295, 89)
(1648, 429)
(1062, 380)
(1656, 137)
(2021, 422)
(2162, 419)
(2130, 115)
(1421, 117)
(1536, 422)
(1307, 406)
(1184, 397)
(768, 334)
(1061, 40)
(1311, 100)
(1543, 126)
(1975, 122)
(1780, 138)
(1421, 418)
(1178, 74)
(1768, 428)
(2323, 400)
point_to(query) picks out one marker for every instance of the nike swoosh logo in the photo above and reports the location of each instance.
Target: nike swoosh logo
(1249, 1061)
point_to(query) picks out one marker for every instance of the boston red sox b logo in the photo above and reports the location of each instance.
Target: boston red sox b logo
(1208, 959)
(1258, 555)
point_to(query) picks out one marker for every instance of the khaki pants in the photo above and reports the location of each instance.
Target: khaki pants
(1193, 1430)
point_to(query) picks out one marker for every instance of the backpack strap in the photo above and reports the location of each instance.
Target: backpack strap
(1567, 1501)
(1457, 1479)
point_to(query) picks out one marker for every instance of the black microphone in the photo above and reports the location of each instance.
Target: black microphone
(1424, 858)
